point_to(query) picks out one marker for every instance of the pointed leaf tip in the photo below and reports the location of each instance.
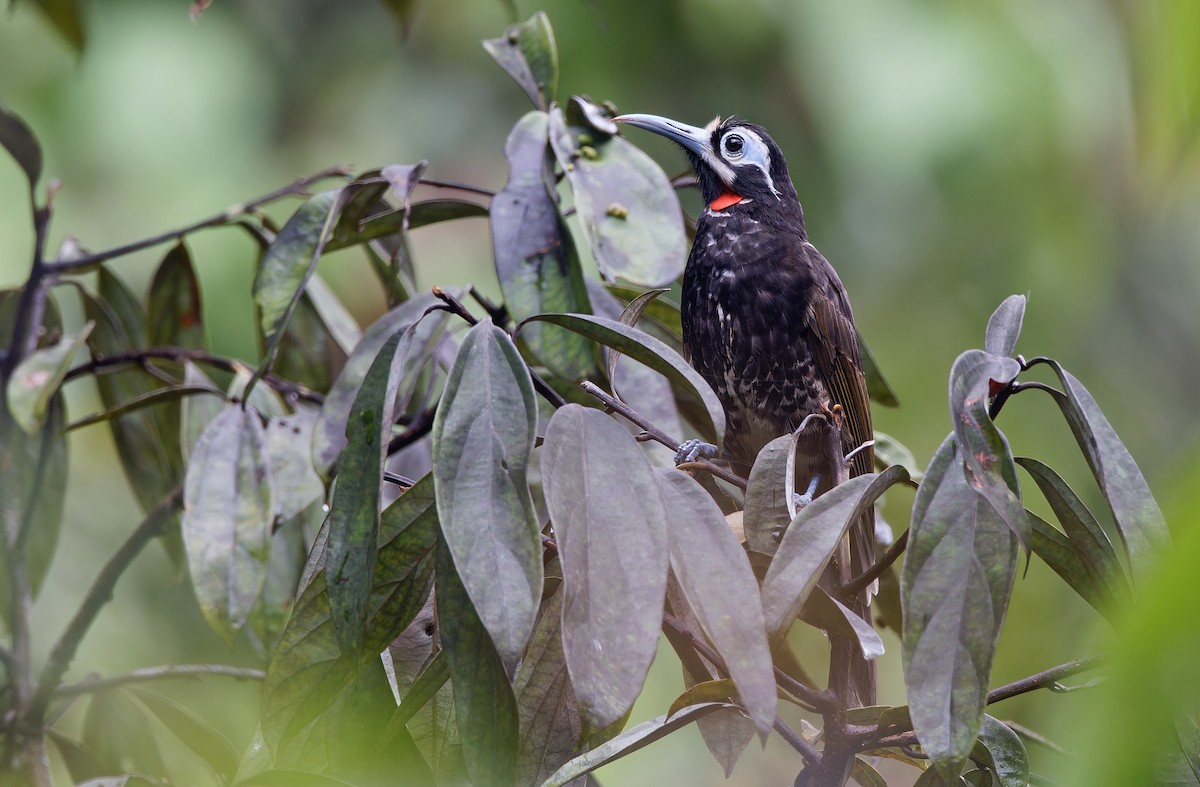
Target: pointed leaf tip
(1004, 326)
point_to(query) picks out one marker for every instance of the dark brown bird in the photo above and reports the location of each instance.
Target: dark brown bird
(766, 320)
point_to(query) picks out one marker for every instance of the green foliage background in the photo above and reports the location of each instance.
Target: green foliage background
(947, 154)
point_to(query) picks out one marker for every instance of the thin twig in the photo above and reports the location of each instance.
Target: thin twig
(98, 595)
(451, 184)
(147, 674)
(656, 434)
(227, 216)
(797, 742)
(1045, 679)
(854, 586)
(456, 307)
(418, 428)
(179, 354)
(497, 311)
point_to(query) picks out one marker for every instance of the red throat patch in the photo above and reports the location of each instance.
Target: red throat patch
(725, 200)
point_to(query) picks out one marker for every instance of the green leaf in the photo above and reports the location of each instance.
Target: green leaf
(716, 578)
(118, 730)
(810, 541)
(33, 482)
(228, 507)
(391, 222)
(878, 388)
(404, 12)
(296, 483)
(338, 321)
(955, 586)
(550, 723)
(37, 379)
(354, 510)
(308, 671)
(484, 704)
(17, 138)
(536, 262)
(1086, 535)
(864, 775)
(630, 316)
(663, 311)
(174, 316)
(826, 612)
(988, 461)
(483, 436)
(194, 732)
(645, 348)
(627, 209)
(289, 262)
(147, 440)
(611, 525)
(329, 434)
(1004, 326)
(765, 517)
(172, 393)
(1064, 557)
(1003, 752)
(309, 350)
(890, 451)
(629, 741)
(527, 53)
(1136, 513)
(82, 763)
(286, 777)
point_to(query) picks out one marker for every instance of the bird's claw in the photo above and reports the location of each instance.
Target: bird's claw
(834, 413)
(803, 500)
(692, 450)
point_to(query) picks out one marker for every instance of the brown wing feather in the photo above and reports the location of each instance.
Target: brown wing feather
(838, 359)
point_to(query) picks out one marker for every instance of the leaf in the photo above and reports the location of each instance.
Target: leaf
(536, 262)
(1003, 752)
(308, 671)
(175, 317)
(630, 316)
(296, 483)
(227, 511)
(810, 541)
(1136, 513)
(1064, 557)
(1081, 527)
(864, 775)
(626, 207)
(716, 578)
(307, 352)
(828, 613)
(33, 482)
(483, 436)
(197, 411)
(628, 742)
(958, 574)
(988, 464)
(611, 525)
(82, 763)
(1004, 326)
(194, 732)
(37, 379)
(286, 777)
(354, 509)
(527, 53)
(890, 451)
(765, 517)
(338, 321)
(288, 264)
(391, 222)
(329, 434)
(644, 348)
(404, 11)
(147, 440)
(878, 388)
(484, 704)
(17, 138)
(663, 311)
(550, 723)
(117, 729)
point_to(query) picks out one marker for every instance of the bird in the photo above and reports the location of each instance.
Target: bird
(768, 324)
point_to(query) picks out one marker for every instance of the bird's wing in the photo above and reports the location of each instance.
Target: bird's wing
(837, 356)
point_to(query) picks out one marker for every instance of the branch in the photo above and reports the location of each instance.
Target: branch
(147, 674)
(811, 756)
(179, 354)
(227, 216)
(455, 306)
(451, 184)
(854, 586)
(98, 595)
(656, 434)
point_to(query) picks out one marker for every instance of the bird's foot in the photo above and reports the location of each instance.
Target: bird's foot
(692, 450)
(805, 499)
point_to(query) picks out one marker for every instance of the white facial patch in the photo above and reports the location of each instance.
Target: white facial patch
(742, 147)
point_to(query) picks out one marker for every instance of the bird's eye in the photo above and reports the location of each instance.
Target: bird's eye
(733, 145)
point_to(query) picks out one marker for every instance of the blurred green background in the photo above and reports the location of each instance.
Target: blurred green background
(947, 153)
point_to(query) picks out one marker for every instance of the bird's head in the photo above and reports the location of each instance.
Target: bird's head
(734, 160)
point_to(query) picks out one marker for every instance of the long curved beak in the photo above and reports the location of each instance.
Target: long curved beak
(691, 137)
